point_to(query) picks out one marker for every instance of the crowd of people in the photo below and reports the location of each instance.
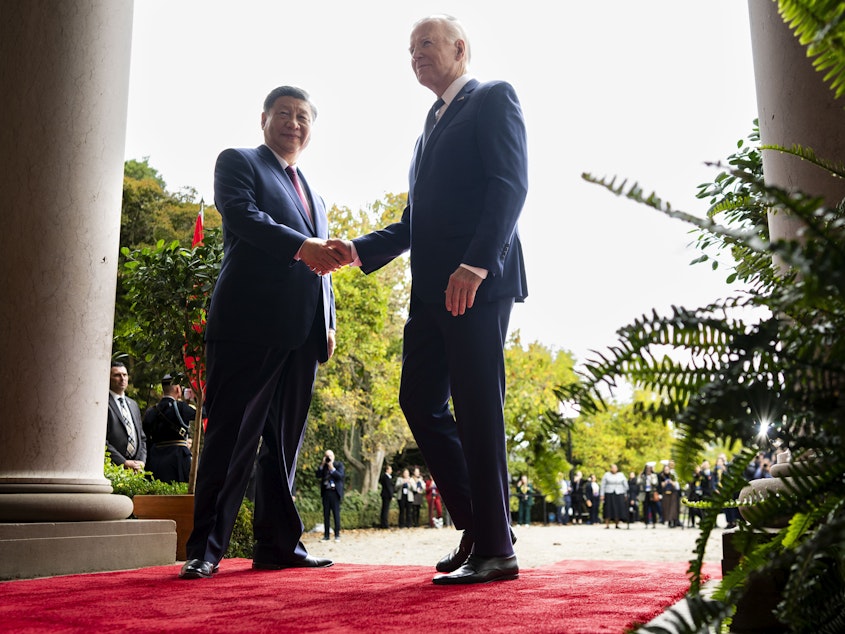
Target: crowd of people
(652, 496)
(411, 490)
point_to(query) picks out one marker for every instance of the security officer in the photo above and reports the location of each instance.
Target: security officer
(168, 426)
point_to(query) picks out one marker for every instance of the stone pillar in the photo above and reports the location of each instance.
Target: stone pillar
(795, 106)
(64, 75)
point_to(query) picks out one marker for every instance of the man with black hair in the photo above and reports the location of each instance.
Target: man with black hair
(270, 324)
(125, 440)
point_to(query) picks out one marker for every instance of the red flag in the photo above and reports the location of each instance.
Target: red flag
(198, 227)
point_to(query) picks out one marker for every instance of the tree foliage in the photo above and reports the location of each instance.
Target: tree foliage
(624, 434)
(149, 212)
(536, 443)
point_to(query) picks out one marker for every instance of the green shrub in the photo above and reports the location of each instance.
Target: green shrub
(130, 483)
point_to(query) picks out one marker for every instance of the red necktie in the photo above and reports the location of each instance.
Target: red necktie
(294, 177)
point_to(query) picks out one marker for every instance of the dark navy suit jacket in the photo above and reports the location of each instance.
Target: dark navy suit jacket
(466, 193)
(263, 295)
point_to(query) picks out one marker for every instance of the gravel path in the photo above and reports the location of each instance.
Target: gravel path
(537, 545)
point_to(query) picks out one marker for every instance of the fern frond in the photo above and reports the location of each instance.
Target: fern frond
(809, 155)
(818, 24)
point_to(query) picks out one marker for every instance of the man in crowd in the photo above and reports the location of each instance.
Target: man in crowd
(125, 439)
(168, 426)
(330, 475)
(388, 489)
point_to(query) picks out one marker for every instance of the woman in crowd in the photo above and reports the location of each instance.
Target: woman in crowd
(579, 507)
(670, 498)
(633, 498)
(592, 494)
(405, 497)
(613, 494)
(418, 486)
(651, 503)
(525, 498)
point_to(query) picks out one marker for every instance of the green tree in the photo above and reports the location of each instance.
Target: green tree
(536, 442)
(624, 434)
(149, 212)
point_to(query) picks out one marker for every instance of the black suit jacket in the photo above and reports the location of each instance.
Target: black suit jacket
(116, 436)
(388, 486)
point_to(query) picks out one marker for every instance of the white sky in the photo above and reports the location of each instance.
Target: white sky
(644, 90)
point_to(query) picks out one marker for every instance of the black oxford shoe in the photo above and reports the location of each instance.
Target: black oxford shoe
(198, 569)
(306, 562)
(458, 557)
(481, 570)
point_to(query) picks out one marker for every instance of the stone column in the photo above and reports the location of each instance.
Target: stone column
(795, 106)
(64, 75)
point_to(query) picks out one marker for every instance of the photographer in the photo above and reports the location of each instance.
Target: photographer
(330, 475)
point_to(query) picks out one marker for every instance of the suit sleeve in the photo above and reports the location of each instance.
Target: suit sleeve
(116, 457)
(381, 247)
(141, 452)
(504, 152)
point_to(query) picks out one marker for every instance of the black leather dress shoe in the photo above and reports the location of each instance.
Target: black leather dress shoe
(481, 570)
(198, 569)
(306, 562)
(458, 557)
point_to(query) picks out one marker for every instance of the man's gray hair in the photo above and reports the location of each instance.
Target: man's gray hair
(453, 28)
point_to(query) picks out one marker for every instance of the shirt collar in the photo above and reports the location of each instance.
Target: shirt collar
(282, 161)
(454, 88)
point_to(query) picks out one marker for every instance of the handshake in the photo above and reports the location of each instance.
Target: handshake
(326, 256)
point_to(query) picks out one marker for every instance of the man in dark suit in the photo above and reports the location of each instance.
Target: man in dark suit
(167, 425)
(388, 490)
(330, 476)
(468, 182)
(125, 439)
(270, 323)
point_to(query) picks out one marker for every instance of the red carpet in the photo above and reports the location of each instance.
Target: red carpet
(568, 597)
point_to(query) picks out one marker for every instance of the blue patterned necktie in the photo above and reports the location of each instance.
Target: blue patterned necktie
(431, 120)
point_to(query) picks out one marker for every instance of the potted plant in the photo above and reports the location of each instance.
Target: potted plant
(765, 367)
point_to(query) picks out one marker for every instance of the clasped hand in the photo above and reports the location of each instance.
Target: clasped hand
(326, 256)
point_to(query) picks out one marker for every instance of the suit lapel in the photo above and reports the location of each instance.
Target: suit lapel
(454, 108)
(273, 164)
(450, 113)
